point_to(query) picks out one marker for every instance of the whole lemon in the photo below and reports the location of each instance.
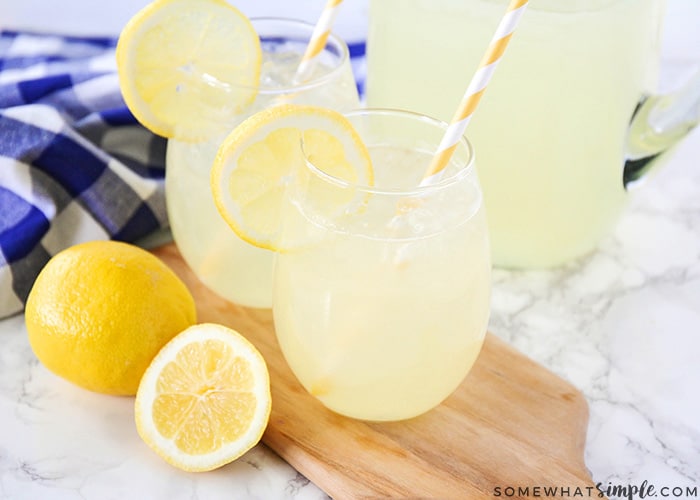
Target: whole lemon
(100, 311)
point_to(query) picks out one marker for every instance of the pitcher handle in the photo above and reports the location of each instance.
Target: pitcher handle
(658, 123)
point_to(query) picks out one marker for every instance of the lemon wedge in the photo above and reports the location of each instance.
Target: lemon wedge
(205, 399)
(186, 67)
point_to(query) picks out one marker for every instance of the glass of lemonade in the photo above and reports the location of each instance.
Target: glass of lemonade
(552, 127)
(381, 298)
(228, 265)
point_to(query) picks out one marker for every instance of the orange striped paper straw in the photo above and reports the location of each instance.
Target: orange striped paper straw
(475, 90)
(318, 39)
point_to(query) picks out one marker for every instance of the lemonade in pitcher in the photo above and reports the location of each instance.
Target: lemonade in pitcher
(552, 125)
(227, 264)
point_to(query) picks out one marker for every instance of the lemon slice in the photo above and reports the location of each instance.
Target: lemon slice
(204, 399)
(186, 67)
(255, 163)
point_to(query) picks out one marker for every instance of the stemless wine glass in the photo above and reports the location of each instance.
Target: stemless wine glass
(381, 295)
(225, 263)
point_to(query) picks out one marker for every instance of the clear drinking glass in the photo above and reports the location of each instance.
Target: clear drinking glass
(556, 125)
(381, 296)
(228, 265)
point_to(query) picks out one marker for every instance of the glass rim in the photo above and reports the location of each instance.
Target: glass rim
(314, 82)
(415, 191)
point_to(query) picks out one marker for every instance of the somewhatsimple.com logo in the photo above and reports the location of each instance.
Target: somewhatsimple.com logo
(600, 490)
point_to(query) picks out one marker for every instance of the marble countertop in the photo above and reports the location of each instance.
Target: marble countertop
(623, 326)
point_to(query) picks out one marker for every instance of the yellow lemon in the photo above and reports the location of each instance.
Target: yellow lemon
(254, 164)
(187, 66)
(100, 311)
(205, 399)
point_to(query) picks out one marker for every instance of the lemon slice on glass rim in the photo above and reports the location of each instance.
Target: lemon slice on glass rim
(186, 67)
(205, 398)
(254, 163)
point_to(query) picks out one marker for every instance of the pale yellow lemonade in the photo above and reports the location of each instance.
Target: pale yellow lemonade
(381, 316)
(551, 128)
(231, 267)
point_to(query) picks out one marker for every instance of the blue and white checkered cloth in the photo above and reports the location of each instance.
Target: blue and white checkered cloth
(74, 163)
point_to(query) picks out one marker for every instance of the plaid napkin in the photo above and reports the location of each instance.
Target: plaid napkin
(74, 163)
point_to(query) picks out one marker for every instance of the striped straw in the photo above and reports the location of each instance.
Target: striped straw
(318, 39)
(475, 91)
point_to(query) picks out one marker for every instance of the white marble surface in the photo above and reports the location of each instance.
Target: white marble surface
(623, 326)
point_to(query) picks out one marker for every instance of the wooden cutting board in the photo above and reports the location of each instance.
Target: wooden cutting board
(511, 423)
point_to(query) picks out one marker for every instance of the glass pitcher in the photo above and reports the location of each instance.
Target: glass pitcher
(566, 122)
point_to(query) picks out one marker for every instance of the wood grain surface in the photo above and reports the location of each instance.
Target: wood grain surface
(511, 423)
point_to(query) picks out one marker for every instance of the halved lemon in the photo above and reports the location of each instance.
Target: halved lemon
(204, 399)
(187, 67)
(254, 163)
